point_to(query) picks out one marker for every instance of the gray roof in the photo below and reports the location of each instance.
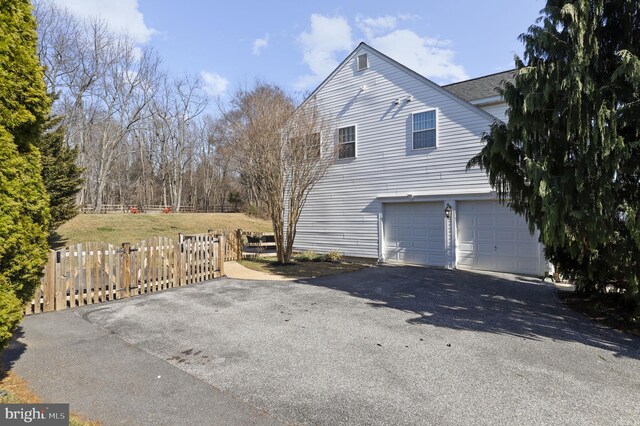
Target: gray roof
(481, 87)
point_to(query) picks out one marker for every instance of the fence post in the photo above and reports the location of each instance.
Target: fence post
(239, 244)
(183, 263)
(221, 253)
(48, 304)
(126, 269)
(61, 281)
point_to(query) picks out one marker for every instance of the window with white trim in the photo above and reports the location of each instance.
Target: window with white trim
(347, 142)
(424, 129)
(363, 62)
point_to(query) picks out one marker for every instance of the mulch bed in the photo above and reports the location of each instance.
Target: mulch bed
(608, 310)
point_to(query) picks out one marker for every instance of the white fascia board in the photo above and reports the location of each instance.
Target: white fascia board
(490, 100)
(475, 195)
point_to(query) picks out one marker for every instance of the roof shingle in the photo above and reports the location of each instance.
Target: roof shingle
(481, 87)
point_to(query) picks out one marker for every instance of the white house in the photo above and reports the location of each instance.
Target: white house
(400, 191)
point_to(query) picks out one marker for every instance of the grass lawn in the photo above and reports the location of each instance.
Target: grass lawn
(16, 391)
(301, 269)
(117, 228)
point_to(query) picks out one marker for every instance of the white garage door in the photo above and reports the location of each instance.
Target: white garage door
(414, 233)
(492, 237)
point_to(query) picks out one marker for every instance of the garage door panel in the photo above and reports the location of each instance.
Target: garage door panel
(527, 250)
(421, 244)
(492, 237)
(484, 235)
(483, 248)
(480, 259)
(436, 246)
(484, 221)
(419, 219)
(403, 220)
(465, 231)
(419, 232)
(435, 234)
(435, 221)
(505, 221)
(403, 233)
(506, 264)
(503, 249)
(505, 235)
(466, 260)
(404, 244)
(465, 247)
(414, 233)
(524, 235)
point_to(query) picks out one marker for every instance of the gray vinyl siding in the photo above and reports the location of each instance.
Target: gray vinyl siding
(342, 211)
(497, 110)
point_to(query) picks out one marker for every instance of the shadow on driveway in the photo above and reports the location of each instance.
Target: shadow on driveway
(526, 307)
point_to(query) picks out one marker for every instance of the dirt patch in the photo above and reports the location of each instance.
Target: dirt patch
(302, 269)
(15, 390)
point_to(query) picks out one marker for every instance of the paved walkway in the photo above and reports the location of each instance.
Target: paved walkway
(235, 270)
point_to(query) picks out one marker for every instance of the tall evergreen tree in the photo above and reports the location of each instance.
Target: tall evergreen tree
(24, 204)
(60, 172)
(569, 157)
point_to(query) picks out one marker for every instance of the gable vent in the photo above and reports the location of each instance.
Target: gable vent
(363, 62)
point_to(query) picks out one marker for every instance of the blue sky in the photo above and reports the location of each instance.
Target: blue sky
(296, 44)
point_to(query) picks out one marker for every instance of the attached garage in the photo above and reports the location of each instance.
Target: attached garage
(414, 233)
(480, 235)
(492, 237)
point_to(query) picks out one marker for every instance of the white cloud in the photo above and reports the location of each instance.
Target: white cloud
(431, 57)
(214, 84)
(260, 43)
(122, 16)
(328, 36)
(373, 26)
(428, 56)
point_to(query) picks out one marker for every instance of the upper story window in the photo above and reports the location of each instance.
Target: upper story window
(313, 147)
(347, 142)
(363, 62)
(310, 144)
(424, 129)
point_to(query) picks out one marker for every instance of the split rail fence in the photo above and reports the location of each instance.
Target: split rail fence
(156, 208)
(90, 273)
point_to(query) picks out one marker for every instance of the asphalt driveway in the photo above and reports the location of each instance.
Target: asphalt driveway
(385, 345)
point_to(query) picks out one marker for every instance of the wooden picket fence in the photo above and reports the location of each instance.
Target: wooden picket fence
(90, 273)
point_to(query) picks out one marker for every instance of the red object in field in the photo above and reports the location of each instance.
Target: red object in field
(166, 210)
(134, 210)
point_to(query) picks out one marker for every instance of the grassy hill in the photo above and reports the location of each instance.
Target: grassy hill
(120, 227)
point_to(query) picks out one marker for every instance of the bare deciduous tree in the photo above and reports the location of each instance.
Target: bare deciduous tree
(282, 152)
(144, 138)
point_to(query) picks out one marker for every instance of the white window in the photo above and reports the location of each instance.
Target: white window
(347, 142)
(424, 129)
(363, 62)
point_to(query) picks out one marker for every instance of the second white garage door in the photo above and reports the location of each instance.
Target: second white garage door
(492, 237)
(414, 233)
